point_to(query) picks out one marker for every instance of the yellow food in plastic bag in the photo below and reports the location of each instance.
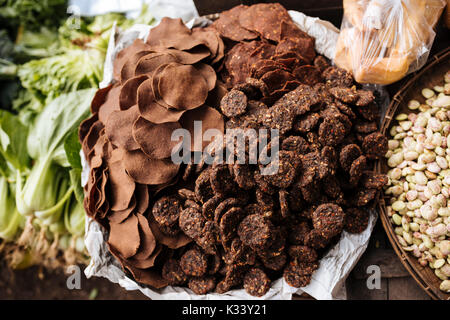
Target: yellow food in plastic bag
(383, 40)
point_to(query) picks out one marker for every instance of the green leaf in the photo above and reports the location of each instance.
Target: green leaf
(13, 137)
(75, 180)
(58, 119)
(72, 147)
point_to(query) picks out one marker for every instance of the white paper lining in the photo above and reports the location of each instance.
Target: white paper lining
(328, 282)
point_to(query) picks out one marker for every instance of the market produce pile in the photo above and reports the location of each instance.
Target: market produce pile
(215, 227)
(419, 181)
(50, 68)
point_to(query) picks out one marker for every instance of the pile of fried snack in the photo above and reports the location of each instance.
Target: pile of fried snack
(220, 226)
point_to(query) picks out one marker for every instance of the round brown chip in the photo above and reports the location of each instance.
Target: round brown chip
(111, 104)
(163, 34)
(229, 27)
(256, 282)
(124, 55)
(144, 170)
(295, 276)
(330, 218)
(210, 119)
(194, 263)
(121, 186)
(120, 215)
(183, 87)
(229, 223)
(99, 98)
(126, 246)
(191, 222)
(155, 139)
(255, 231)
(149, 63)
(309, 75)
(128, 93)
(375, 145)
(128, 69)
(265, 19)
(208, 73)
(171, 241)
(166, 210)
(234, 103)
(171, 271)
(151, 110)
(192, 56)
(118, 128)
(202, 285)
(275, 80)
(147, 246)
(348, 154)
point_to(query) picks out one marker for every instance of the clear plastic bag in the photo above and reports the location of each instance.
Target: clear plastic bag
(383, 40)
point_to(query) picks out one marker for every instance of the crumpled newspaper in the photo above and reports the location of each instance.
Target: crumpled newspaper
(328, 282)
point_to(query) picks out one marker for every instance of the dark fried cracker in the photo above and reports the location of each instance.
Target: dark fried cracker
(256, 282)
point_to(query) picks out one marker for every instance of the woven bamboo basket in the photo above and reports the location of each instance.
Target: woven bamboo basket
(432, 74)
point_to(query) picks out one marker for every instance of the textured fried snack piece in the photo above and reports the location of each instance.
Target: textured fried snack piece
(265, 19)
(306, 123)
(256, 282)
(229, 223)
(243, 176)
(356, 170)
(356, 220)
(329, 217)
(282, 172)
(344, 94)
(337, 77)
(348, 154)
(194, 263)
(173, 273)
(302, 253)
(375, 145)
(275, 263)
(221, 181)
(332, 132)
(298, 274)
(255, 231)
(191, 222)
(234, 103)
(298, 233)
(202, 285)
(228, 25)
(203, 190)
(166, 210)
(372, 180)
(210, 206)
(317, 239)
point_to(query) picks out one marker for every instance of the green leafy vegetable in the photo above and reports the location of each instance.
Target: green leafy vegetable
(46, 147)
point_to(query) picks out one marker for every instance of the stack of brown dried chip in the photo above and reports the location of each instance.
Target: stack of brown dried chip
(161, 85)
(280, 54)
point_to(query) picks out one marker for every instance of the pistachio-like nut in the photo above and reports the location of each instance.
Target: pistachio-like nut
(408, 237)
(445, 286)
(440, 275)
(393, 144)
(397, 219)
(420, 178)
(411, 195)
(398, 205)
(402, 241)
(434, 186)
(444, 247)
(445, 269)
(427, 93)
(413, 104)
(401, 117)
(414, 226)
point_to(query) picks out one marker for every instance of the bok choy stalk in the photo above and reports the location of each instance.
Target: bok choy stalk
(10, 219)
(36, 195)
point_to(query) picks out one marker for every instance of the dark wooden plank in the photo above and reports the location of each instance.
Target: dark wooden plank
(386, 259)
(357, 290)
(405, 289)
